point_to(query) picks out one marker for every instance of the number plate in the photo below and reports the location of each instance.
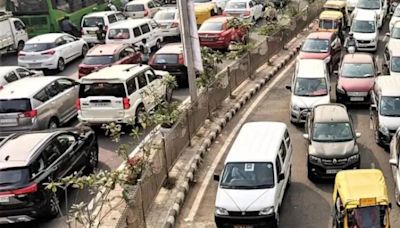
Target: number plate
(92, 32)
(356, 98)
(332, 171)
(8, 122)
(4, 199)
(101, 104)
(35, 65)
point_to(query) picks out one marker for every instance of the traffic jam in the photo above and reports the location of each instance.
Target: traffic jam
(125, 48)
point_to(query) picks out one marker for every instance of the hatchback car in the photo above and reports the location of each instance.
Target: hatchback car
(168, 20)
(37, 103)
(216, 33)
(356, 77)
(141, 8)
(51, 51)
(30, 160)
(108, 54)
(10, 74)
(322, 45)
(395, 18)
(244, 9)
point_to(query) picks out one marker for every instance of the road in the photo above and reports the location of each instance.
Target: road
(306, 204)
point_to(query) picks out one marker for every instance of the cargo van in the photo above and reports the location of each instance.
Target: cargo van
(13, 35)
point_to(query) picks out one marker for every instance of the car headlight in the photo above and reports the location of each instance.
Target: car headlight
(295, 108)
(384, 130)
(267, 211)
(314, 159)
(327, 59)
(221, 211)
(353, 158)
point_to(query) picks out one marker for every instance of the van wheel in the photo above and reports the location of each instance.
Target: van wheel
(21, 45)
(85, 49)
(60, 65)
(53, 123)
(139, 115)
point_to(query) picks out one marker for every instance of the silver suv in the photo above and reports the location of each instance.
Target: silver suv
(37, 103)
(332, 141)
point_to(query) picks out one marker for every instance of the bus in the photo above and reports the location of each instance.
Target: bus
(44, 16)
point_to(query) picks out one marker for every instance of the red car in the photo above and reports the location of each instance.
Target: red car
(356, 78)
(108, 54)
(215, 32)
(322, 45)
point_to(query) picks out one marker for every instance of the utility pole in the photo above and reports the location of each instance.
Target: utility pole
(187, 47)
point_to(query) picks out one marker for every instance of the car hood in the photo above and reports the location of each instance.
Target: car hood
(333, 149)
(313, 55)
(391, 122)
(309, 102)
(245, 199)
(393, 43)
(358, 10)
(356, 84)
(364, 36)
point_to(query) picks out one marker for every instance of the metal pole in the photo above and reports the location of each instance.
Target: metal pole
(187, 47)
(142, 204)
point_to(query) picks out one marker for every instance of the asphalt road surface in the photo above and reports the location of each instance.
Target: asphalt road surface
(306, 204)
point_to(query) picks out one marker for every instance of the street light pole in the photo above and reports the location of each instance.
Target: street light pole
(187, 47)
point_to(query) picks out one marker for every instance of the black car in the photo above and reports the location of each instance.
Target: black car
(29, 160)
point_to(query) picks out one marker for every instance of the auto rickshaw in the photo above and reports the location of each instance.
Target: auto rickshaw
(332, 21)
(337, 5)
(360, 199)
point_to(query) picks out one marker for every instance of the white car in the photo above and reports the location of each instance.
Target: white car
(395, 18)
(391, 55)
(168, 20)
(379, 7)
(51, 51)
(365, 30)
(10, 74)
(394, 162)
(244, 9)
(141, 8)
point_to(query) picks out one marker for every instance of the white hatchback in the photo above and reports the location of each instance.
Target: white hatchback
(168, 19)
(51, 51)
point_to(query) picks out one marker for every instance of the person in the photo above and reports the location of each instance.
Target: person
(350, 43)
(67, 26)
(111, 6)
(145, 49)
(100, 33)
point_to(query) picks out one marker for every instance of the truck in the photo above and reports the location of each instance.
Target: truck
(12, 33)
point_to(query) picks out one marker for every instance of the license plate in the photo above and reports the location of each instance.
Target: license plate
(92, 32)
(206, 39)
(101, 104)
(356, 98)
(242, 226)
(35, 65)
(8, 121)
(4, 199)
(332, 171)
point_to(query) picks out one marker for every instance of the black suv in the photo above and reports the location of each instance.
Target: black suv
(28, 160)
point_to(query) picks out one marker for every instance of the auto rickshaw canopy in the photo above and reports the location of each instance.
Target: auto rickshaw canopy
(335, 4)
(331, 15)
(361, 188)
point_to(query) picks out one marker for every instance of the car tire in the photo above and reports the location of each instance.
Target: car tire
(158, 44)
(20, 46)
(60, 65)
(85, 49)
(93, 159)
(140, 111)
(53, 208)
(276, 220)
(53, 123)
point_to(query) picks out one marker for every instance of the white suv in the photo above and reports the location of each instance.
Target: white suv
(118, 94)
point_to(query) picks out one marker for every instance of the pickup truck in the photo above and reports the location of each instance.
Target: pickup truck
(12, 33)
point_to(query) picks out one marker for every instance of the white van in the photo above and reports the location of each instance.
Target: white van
(256, 173)
(118, 93)
(310, 86)
(378, 7)
(132, 31)
(365, 30)
(13, 35)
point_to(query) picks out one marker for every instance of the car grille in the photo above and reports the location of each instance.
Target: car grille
(334, 162)
(363, 41)
(243, 213)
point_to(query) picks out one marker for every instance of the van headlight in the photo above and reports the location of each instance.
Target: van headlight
(267, 211)
(353, 158)
(221, 211)
(295, 107)
(384, 130)
(314, 159)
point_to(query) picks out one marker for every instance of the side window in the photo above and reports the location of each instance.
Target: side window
(51, 152)
(278, 165)
(131, 86)
(112, 18)
(123, 54)
(37, 166)
(53, 89)
(150, 75)
(60, 42)
(10, 77)
(136, 32)
(23, 73)
(42, 96)
(283, 151)
(65, 84)
(18, 25)
(142, 82)
(65, 141)
(145, 28)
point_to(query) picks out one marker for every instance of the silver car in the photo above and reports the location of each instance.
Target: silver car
(37, 103)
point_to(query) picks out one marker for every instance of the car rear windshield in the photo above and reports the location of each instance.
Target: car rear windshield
(166, 59)
(115, 34)
(15, 105)
(134, 8)
(98, 60)
(358, 70)
(92, 21)
(102, 89)
(211, 26)
(316, 45)
(14, 176)
(38, 47)
(164, 15)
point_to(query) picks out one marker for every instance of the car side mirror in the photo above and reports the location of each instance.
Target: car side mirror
(393, 162)
(373, 107)
(288, 87)
(306, 136)
(281, 177)
(216, 177)
(335, 72)
(387, 34)
(358, 134)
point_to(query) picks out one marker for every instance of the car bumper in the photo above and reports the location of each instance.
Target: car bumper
(367, 47)
(24, 214)
(297, 116)
(170, 32)
(38, 65)
(91, 39)
(261, 220)
(215, 44)
(354, 97)
(329, 172)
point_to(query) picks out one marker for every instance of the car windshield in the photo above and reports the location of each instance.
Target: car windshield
(371, 217)
(98, 59)
(357, 70)
(115, 34)
(395, 64)
(310, 87)
(236, 5)
(134, 8)
(164, 15)
(14, 176)
(368, 4)
(36, 47)
(390, 106)
(316, 45)
(211, 26)
(363, 26)
(166, 58)
(332, 132)
(395, 33)
(328, 24)
(102, 89)
(15, 105)
(92, 21)
(248, 175)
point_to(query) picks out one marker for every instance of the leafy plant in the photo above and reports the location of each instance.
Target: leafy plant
(210, 60)
(268, 29)
(234, 23)
(170, 84)
(166, 114)
(239, 49)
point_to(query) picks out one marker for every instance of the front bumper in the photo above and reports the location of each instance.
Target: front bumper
(50, 63)
(256, 221)
(329, 171)
(353, 97)
(299, 116)
(370, 46)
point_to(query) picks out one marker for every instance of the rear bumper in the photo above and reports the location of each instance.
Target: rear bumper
(345, 98)
(24, 214)
(39, 65)
(215, 44)
(91, 39)
(100, 121)
(257, 221)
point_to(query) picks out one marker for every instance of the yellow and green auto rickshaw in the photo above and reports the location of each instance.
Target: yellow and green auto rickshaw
(332, 21)
(337, 5)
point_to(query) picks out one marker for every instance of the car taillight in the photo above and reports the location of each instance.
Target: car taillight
(181, 59)
(51, 52)
(224, 13)
(174, 24)
(28, 189)
(247, 13)
(78, 104)
(126, 103)
(20, 54)
(30, 114)
(146, 12)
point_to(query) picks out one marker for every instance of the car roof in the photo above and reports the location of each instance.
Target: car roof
(365, 15)
(100, 14)
(388, 85)
(171, 48)
(330, 14)
(17, 151)
(105, 49)
(320, 35)
(6, 69)
(325, 113)
(129, 23)
(310, 68)
(115, 72)
(26, 87)
(46, 38)
(218, 19)
(257, 142)
(358, 57)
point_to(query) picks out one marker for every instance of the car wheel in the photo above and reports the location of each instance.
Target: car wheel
(53, 123)
(84, 50)
(21, 45)
(93, 159)
(139, 115)
(158, 44)
(60, 65)
(53, 208)
(276, 220)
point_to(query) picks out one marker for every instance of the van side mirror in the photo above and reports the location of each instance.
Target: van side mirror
(288, 87)
(358, 134)
(393, 162)
(281, 177)
(216, 177)
(306, 136)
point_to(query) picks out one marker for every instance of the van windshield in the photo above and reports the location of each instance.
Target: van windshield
(102, 89)
(310, 87)
(248, 175)
(92, 21)
(332, 132)
(390, 106)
